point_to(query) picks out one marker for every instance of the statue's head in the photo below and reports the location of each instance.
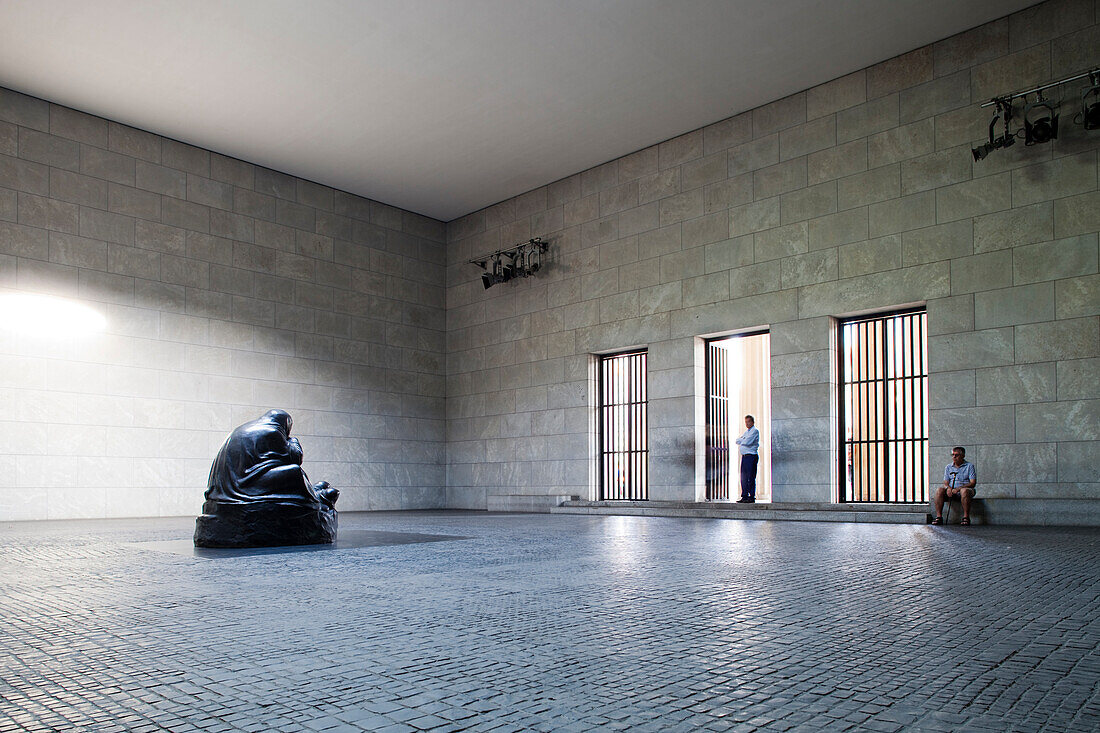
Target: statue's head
(281, 418)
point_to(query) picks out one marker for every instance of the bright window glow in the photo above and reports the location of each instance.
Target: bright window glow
(47, 316)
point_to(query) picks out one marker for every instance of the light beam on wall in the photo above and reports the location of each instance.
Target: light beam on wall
(48, 316)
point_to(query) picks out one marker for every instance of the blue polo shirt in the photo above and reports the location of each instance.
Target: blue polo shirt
(965, 474)
(749, 441)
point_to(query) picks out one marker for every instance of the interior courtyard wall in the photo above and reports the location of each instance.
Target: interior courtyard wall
(228, 289)
(857, 195)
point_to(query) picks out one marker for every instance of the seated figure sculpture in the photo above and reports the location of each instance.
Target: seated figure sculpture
(259, 496)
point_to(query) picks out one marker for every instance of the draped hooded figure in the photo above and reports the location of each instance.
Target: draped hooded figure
(259, 496)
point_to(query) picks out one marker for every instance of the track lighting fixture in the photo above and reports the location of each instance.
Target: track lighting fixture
(522, 260)
(1040, 118)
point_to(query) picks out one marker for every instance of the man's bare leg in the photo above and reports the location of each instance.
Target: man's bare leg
(941, 495)
(965, 495)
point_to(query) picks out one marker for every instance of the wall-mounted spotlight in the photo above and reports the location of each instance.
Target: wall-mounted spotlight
(1090, 103)
(1040, 117)
(530, 260)
(503, 269)
(988, 147)
(522, 260)
(1004, 112)
(508, 265)
(493, 276)
(1040, 122)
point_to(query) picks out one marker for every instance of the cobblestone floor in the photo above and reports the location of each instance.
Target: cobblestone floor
(556, 623)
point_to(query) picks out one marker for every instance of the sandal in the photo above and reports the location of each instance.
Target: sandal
(937, 520)
(965, 521)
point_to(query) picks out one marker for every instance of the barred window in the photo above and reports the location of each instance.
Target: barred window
(624, 446)
(884, 408)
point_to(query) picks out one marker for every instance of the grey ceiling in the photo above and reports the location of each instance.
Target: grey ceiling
(446, 106)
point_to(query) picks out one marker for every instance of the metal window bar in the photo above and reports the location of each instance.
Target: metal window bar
(717, 427)
(884, 406)
(624, 446)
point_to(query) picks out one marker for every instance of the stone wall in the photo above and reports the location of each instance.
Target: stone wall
(228, 289)
(857, 195)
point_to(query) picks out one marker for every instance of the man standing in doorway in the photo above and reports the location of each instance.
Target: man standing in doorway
(749, 443)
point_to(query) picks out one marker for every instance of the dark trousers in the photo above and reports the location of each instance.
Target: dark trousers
(748, 475)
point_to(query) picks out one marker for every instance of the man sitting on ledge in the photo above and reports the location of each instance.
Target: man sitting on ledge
(959, 479)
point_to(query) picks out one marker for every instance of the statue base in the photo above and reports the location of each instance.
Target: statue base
(264, 524)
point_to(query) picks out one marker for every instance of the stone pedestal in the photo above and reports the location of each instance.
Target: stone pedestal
(264, 524)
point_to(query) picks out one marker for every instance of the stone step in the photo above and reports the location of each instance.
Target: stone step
(787, 511)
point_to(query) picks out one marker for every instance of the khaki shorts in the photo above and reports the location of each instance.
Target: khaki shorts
(973, 492)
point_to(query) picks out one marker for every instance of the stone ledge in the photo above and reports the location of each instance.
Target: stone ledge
(789, 512)
(525, 502)
(1034, 512)
(992, 511)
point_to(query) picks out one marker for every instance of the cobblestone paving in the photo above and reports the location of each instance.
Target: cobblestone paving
(554, 623)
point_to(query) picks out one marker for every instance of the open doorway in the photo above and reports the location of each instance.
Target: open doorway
(738, 383)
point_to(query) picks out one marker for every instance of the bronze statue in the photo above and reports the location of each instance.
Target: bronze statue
(259, 496)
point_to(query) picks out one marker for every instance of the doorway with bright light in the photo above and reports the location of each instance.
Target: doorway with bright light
(738, 383)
